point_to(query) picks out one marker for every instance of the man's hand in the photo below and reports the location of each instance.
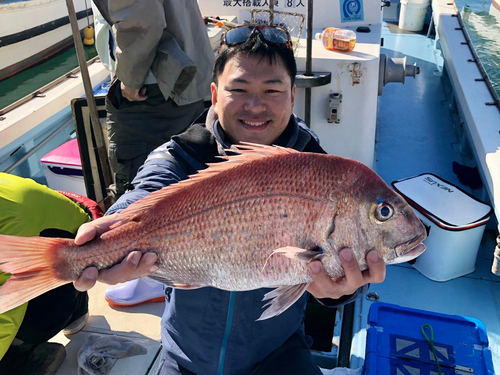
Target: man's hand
(134, 266)
(325, 287)
(133, 95)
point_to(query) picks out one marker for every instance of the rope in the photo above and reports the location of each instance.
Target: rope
(87, 10)
(431, 344)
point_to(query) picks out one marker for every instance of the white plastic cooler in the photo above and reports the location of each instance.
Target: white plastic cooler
(455, 221)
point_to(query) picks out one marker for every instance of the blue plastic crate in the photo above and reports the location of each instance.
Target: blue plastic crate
(395, 344)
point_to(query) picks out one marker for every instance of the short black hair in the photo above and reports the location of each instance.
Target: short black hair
(256, 46)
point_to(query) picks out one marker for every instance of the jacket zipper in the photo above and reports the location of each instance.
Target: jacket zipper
(227, 332)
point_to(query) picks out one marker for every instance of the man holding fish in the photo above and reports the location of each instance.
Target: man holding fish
(266, 225)
(207, 330)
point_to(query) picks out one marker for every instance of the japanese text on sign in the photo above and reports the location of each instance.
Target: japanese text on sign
(264, 3)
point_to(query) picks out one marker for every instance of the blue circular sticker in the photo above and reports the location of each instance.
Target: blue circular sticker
(352, 8)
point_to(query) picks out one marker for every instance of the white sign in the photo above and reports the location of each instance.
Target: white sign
(233, 7)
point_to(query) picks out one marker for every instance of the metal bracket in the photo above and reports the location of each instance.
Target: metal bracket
(372, 296)
(462, 370)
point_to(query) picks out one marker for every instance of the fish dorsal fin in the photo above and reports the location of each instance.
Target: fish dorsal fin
(246, 153)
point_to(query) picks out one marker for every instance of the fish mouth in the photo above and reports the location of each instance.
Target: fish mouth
(409, 250)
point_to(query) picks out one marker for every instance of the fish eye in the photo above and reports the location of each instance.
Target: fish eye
(384, 212)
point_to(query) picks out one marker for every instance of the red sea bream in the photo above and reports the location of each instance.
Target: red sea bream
(253, 221)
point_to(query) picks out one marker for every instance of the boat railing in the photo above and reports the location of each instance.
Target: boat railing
(484, 75)
(38, 146)
(495, 268)
(479, 120)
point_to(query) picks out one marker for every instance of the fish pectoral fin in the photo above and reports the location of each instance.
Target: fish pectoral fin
(300, 254)
(281, 299)
(185, 286)
(173, 284)
(176, 285)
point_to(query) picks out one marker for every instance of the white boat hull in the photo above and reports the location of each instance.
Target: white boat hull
(33, 30)
(24, 127)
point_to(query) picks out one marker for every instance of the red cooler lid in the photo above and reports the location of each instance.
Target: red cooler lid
(66, 154)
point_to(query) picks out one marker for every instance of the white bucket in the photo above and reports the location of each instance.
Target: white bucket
(413, 14)
(455, 221)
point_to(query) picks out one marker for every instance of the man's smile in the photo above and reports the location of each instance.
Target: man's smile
(254, 123)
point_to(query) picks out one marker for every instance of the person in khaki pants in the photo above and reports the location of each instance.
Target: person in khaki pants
(163, 60)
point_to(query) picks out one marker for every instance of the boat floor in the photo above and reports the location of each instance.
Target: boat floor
(415, 134)
(139, 323)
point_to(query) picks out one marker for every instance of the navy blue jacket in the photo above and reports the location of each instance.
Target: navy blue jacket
(208, 330)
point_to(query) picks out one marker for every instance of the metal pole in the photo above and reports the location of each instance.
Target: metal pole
(495, 268)
(345, 341)
(271, 12)
(308, 72)
(94, 117)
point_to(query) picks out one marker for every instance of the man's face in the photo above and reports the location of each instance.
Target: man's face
(253, 99)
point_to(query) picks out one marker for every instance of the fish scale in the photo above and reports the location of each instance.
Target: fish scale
(247, 254)
(253, 221)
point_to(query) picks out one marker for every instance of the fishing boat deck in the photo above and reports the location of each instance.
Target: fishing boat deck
(138, 323)
(415, 134)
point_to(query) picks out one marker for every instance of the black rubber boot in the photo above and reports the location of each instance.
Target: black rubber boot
(27, 359)
(15, 358)
(45, 359)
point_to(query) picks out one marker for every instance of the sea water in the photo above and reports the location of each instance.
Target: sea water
(29, 80)
(482, 21)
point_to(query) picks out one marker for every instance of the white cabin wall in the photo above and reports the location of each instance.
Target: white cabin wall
(354, 136)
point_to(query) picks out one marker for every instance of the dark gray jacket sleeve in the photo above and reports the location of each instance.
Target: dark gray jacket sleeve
(138, 27)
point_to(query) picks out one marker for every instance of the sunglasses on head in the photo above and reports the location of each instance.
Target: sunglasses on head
(270, 34)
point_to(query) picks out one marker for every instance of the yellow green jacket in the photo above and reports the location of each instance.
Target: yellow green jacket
(26, 209)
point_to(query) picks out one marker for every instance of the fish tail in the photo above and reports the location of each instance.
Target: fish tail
(30, 261)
